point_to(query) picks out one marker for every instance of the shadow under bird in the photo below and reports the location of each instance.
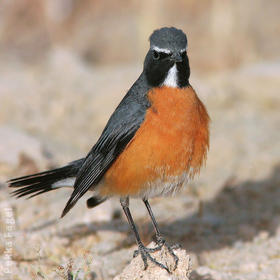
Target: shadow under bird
(154, 142)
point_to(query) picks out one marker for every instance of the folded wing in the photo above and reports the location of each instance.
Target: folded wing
(119, 130)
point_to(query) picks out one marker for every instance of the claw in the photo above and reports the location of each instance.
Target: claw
(170, 250)
(135, 253)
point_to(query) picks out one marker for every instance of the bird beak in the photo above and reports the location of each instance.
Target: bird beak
(176, 57)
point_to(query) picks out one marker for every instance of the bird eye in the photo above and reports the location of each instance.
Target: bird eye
(156, 55)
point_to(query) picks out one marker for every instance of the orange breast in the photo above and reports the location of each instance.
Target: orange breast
(172, 140)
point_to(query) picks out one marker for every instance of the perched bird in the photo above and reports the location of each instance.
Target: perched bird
(156, 139)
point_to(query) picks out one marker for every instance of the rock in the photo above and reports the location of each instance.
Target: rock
(135, 270)
(207, 273)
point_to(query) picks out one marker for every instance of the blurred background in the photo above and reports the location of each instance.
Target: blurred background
(65, 65)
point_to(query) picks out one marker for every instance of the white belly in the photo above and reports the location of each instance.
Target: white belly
(164, 186)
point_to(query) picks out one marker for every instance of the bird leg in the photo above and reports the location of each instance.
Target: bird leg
(144, 251)
(159, 239)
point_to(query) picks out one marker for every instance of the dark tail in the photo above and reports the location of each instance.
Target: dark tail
(39, 183)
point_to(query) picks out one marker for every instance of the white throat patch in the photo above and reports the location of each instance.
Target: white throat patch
(171, 78)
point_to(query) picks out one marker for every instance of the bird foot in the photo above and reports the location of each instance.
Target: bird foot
(146, 254)
(150, 250)
(161, 242)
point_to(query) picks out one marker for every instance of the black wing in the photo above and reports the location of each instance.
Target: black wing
(119, 130)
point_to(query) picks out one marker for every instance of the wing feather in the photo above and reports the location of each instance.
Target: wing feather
(118, 132)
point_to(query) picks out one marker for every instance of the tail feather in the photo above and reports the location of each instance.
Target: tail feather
(34, 189)
(45, 181)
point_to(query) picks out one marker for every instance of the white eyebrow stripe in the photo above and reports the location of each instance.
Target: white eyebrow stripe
(157, 49)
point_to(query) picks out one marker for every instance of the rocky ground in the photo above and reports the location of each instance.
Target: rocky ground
(228, 219)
